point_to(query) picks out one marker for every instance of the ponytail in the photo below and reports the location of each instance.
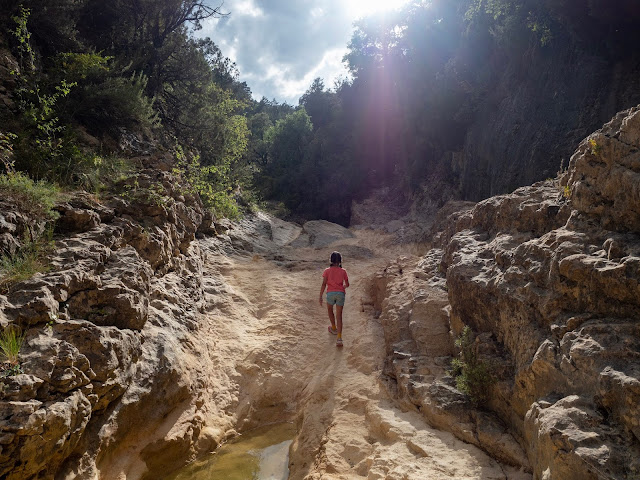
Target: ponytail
(336, 258)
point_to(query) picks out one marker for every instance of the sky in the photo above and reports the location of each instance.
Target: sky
(281, 46)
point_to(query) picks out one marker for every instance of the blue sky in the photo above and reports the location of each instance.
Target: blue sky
(280, 46)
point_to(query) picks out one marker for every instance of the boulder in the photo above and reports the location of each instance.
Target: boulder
(320, 233)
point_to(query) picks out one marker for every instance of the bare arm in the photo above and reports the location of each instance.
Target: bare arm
(324, 284)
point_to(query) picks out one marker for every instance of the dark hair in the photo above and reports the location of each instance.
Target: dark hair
(336, 258)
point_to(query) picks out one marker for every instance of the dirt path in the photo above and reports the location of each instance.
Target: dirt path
(274, 335)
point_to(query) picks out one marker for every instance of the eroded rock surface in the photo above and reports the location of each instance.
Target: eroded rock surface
(413, 305)
(103, 330)
(549, 279)
(145, 348)
(139, 355)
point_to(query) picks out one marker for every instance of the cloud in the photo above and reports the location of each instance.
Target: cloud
(280, 46)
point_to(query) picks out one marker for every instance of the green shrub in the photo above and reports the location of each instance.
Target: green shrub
(473, 376)
(112, 102)
(97, 173)
(222, 204)
(69, 88)
(154, 194)
(11, 339)
(79, 66)
(86, 169)
(36, 199)
(6, 151)
(216, 193)
(23, 36)
(26, 262)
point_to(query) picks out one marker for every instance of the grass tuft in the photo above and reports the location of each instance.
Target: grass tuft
(26, 262)
(11, 340)
(35, 199)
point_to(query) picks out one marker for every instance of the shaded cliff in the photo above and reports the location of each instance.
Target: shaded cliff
(531, 99)
(538, 109)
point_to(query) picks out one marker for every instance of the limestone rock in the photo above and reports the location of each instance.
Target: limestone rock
(552, 274)
(413, 306)
(320, 233)
(208, 225)
(604, 174)
(76, 219)
(567, 438)
(43, 434)
(97, 362)
(20, 387)
(121, 298)
(450, 219)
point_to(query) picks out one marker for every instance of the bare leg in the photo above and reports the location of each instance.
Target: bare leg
(331, 317)
(339, 319)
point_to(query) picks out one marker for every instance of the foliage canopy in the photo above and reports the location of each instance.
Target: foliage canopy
(418, 77)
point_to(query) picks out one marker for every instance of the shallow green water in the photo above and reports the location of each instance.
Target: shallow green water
(262, 454)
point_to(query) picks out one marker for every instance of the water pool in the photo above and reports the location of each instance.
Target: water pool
(262, 454)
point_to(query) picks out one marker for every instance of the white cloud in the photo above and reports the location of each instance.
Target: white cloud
(317, 12)
(280, 46)
(329, 68)
(247, 7)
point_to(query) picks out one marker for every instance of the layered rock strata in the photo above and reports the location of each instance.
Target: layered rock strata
(548, 277)
(109, 331)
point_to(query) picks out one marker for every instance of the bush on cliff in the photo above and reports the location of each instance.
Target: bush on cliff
(34, 198)
(473, 376)
(28, 260)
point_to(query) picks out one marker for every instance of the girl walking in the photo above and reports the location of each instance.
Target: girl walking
(336, 280)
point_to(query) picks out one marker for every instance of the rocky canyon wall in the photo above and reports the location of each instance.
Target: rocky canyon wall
(118, 380)
(539, 107)
(548, 278)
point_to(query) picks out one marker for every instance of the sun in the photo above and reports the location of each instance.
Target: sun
(362, 8)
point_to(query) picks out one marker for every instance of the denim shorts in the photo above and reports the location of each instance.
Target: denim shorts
(336, 298)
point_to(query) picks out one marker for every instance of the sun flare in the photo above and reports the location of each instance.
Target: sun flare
(362, 8)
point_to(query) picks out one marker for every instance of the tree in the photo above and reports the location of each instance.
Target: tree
(258, 150)
(286, 142)
(318, 103)
(144, 32)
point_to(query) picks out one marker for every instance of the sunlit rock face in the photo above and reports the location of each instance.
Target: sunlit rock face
(551, 273)
(413, 307)
(110, 340)
(548, 278)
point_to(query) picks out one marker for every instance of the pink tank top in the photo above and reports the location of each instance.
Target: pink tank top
(336, 278)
